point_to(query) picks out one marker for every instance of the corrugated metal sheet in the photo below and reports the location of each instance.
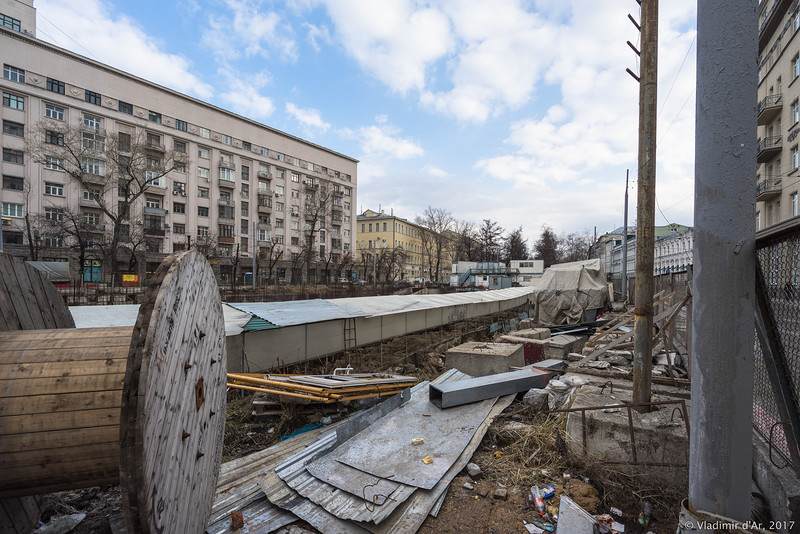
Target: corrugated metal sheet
(294, 312)
(125, 315)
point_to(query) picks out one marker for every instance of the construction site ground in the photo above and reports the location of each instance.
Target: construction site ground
(522, 448)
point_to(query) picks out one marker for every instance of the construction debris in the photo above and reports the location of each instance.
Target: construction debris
(325, 389)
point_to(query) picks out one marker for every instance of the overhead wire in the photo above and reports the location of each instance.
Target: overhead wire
(39, 14)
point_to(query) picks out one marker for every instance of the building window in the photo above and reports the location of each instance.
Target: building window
(91, 194)
(264, 152)
(227, 212)
(155, 117)
(279, 239)
(202, 152)
(9, 22)
(295, 177)
(14, 74)
(279, 206)
(14, 183)
(278, 223)
(202, 192)
(53, 189)
(795, 157)
(53, 163)
(179, 146)
(13, 128)
(202, 211)
(55, 86)
(225, 230)
(245, 173)
(179, 167)
(92, 123)
(54, 112)
(295, 225)
(12, 210)
(202, 231)
(179, 228)
(247, 146)
(54, 138)
(91, 218)
(93, 166)
(93, 142)
(13, 101)
(226, 139)
(92, 97)
(179, 207)
(227, 174)
(245, 224)
(13, 156)
(795, 211)
(180, 125)
(54, 214)
(124, 107)
(205, 132)
(203, 173)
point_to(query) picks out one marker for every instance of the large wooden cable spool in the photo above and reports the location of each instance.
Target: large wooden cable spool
(141, 406)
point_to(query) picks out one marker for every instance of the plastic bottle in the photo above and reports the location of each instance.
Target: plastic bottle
(537, 499)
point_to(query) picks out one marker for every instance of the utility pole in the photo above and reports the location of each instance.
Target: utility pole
(625, 244)
(255, 242)
(645, 209)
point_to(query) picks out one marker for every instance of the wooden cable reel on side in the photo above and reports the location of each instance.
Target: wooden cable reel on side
(143, 407)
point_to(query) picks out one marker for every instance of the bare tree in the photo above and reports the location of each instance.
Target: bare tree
(576, 246)
(438, 223)
(465, 240)
(317, 212)
(206, 245)
(78, 231)
(270, 254)
(114, 171)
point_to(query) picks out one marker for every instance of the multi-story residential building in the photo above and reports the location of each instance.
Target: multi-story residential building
(390, 246)
(778, 158)
(210, 178)
(672, 250)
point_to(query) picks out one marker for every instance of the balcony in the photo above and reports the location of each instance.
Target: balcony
(91, 178)
(311, 185)
(264, 174)
(223, 239)
(227, 183)
(89, 203)
(155, 187)
(768, 189)
(231, 203)
(155, 211)
(155, 146)
(769, 108)
(338, 192)
(93, 228)
(226, 164)
(265, 192)
(156, 229)
(768, 148)
(93, 129)
(264, 208)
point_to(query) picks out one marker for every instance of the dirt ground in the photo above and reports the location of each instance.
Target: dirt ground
(520, 449)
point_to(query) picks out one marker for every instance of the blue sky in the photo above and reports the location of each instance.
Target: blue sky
(518, 111)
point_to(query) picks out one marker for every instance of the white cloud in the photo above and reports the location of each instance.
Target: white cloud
(316, 34)
(311, 119)
(248, 31)
(397, 41)
(384, 141)
(432, 170)
(118, 41)
(243, 96)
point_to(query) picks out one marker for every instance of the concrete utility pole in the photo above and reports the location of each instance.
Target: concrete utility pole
(721, 441)
(645, 209)
(625, 243)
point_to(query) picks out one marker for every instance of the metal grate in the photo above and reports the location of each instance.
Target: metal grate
(778, 255)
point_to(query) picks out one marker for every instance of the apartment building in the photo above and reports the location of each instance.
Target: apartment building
(778, 175)
(233, 186)
(389, 245)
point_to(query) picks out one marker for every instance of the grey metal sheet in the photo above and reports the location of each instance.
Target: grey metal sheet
(294, 312)
(486, 387)
(439, 502)
(372, 489)
(386, 450)
(259, 517)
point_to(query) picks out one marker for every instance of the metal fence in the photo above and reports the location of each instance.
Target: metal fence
(777, 348)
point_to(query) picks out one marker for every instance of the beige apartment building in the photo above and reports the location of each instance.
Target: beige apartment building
(232, 186)
(778, 178)
(390, 246)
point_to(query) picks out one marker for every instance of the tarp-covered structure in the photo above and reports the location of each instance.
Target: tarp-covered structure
(566, 290)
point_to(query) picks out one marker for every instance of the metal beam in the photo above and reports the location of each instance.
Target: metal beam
(461, 392)
(721, 451)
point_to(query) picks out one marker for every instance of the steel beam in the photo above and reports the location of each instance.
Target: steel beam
(461, 392)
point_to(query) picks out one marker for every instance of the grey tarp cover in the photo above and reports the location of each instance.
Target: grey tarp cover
(55, 271)
(566, 290)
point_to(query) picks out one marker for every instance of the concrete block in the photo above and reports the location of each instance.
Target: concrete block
(527, 323)
(533, 333)
(474, 471)
(500, 494)
(533, 348)
(481, 359)
(659, 438)
(563, 344)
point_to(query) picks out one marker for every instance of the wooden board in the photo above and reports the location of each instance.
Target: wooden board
(28, 301)
(168, 478)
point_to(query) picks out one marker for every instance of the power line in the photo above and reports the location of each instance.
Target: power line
(664, 103)
(39, 14)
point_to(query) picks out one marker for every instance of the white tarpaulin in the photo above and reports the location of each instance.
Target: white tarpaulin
(566, 290)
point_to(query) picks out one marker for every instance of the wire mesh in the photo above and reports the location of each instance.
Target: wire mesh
(779, 258)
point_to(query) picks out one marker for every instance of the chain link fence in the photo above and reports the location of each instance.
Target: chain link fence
(778, 256)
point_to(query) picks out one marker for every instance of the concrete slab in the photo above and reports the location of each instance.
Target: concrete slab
(563, 344)
(661, 441)
(532, 333)
(481, 359)
(534, 348)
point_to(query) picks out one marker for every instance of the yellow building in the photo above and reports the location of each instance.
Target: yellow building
(388, 246)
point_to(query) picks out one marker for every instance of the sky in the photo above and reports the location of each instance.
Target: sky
(512, 110)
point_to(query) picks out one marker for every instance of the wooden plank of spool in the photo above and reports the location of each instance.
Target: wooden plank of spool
(173, 403)
(62, 395)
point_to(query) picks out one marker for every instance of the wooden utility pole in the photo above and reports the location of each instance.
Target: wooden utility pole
(645, 209)
(625, 244)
